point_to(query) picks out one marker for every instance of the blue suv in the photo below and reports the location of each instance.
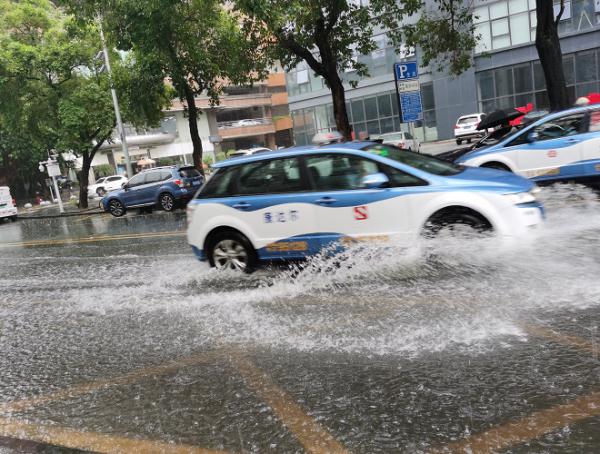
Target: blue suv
(162, 187)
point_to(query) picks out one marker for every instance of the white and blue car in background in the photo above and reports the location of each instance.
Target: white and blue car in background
(561, 146)
(290, 204)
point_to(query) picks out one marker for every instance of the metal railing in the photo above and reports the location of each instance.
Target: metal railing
(244, 123)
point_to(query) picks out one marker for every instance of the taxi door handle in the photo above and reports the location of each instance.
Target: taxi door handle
(326, 200)
(241, 206)
(573, 140)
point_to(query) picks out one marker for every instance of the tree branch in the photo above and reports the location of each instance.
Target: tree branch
(560, 13)
(293, 46)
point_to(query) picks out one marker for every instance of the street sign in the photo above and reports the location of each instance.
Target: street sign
(410, 85)
(408, 91)
(411, 106)
(407, 70)
(53, 169)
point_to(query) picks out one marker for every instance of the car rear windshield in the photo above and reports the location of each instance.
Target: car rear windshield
(467, 120)
(189, 172)
(416, 160)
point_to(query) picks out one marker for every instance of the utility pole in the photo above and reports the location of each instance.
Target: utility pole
(113, 92)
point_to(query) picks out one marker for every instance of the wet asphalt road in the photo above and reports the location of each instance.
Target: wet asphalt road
(114, 339)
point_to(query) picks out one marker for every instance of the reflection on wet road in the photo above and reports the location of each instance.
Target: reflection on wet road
(114, 339)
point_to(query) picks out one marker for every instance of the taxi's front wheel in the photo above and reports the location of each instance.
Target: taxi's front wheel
(230, 250)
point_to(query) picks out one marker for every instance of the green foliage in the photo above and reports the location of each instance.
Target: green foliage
(53, 96)
(103, 170)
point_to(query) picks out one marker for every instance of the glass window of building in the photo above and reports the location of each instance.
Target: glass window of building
(585, 67)
(494, 89)
(498, 9)
(517, 6)
(519, 29)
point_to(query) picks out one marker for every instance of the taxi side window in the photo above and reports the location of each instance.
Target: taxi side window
(272, 176)
(561, 127)
(399, 179)
(220, 184)
(338, 172)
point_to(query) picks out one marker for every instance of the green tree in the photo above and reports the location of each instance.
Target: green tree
(328, 35)
(56, 97)
(197, 44)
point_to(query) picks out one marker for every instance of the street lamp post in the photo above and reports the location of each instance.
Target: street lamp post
(113, 92)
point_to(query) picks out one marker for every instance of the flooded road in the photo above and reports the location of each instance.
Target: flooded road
(115, 339)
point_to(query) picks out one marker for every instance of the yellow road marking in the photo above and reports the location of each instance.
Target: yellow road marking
(93, 239)
(128, 378)
(92, 441)
(313, 437)
(564, 339)
(538, 423)
(528, 428)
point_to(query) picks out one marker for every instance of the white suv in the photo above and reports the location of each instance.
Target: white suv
(106, 184)
(466, 127)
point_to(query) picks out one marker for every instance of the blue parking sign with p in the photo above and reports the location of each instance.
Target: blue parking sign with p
(407, 70)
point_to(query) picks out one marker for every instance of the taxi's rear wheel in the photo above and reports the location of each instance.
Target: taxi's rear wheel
(230, 250)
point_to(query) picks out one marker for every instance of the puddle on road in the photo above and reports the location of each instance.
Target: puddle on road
(373, 300)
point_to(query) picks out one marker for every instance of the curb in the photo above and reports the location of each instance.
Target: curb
(63, 215)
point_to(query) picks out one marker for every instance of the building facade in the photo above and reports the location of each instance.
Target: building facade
(244, 118)
(506, 73)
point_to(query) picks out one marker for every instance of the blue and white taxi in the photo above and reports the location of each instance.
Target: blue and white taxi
(560, 146)
(291, 204)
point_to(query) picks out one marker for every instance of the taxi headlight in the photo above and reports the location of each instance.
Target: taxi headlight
(521, 197)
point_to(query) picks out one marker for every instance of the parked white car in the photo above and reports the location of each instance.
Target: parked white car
(403, 140)
(8, 207)
(248, 152)
(105, 185)
(466, 127)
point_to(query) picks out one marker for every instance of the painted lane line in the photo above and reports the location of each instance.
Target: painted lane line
(125, 379)
(563, 339)
(527, 428)
(309, 433)
(538, 423)
(92, 441)
(93, 239)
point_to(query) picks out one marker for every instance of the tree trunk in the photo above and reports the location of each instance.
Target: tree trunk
(193, 122)
(548, 47)
(338, 95)
(84, 180)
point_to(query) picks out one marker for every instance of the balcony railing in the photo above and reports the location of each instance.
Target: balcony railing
(244, 123)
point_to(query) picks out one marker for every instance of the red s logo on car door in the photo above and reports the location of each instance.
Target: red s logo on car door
(361, 213)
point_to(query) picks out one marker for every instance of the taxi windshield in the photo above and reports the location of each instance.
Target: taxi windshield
(418, 161)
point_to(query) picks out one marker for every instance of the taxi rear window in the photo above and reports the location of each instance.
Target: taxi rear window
(415, 160)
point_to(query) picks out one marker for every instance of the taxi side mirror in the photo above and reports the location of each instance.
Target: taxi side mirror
(125, 186)
(375, 180)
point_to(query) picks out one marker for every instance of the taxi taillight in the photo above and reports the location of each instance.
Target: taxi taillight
(179, 183)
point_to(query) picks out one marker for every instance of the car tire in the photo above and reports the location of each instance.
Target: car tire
(116, 208)
(229, 249)
(469, 140)
(13, 218)
(458, 141)
(451, 221)
(166, 201)
(101, 192)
